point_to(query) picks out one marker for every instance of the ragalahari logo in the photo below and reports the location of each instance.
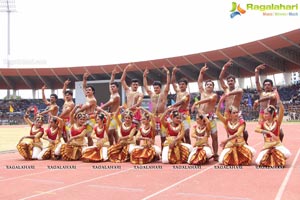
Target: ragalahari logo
(236, 10)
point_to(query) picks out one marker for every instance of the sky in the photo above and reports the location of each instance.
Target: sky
(64, 33)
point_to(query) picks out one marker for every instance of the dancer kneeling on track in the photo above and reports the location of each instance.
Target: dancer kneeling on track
(53, 136)
(72, 150)
(235, 151)
(146, 152)
(174, 151)
(30, 146)
(201, 152)
(98, 153)
(273, 153)
(120, 152)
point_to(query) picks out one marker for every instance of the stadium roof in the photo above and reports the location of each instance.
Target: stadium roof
(281, 53)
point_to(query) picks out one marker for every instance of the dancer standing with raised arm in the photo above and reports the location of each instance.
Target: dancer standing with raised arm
(235, 151)
(207, 107)
(267, 95)
(89, 107)
(233, 95)
(113, 103)
(158, 100)
(52, 107)
(134, 98)
(67, 108)
(182, 103)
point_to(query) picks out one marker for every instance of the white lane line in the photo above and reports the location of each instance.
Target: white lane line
(117, 188)
(75, 184)
(183, 180)
(13, 178)
(211, 196)
(48, 170)
(43, 181)
(178, 182)
(287, 177)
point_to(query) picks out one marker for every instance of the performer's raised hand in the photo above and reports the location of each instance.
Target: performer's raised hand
(228, 64)
(146, 72)
(86, 75)
(204, 69)
(260, 67)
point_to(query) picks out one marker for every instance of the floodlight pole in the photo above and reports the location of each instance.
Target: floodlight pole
(8, 6)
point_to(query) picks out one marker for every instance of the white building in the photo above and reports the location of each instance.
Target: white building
(295, 77)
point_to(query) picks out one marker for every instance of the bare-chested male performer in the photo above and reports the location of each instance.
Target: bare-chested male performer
(52, 107)
(67, 108)
(89, 107)
(113, 103)
(158, 100)
(207, 106)
(267, 95)
(233, 95)
(134, 98)
(182, 103)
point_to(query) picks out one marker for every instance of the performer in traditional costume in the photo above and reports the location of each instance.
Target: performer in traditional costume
(30, 146)
(120, 152)
(146, 151)
(235, 151)
(72, 150)
(174, 151)
(98, 152)
(53, 136)
(273, 154)
(201, 132)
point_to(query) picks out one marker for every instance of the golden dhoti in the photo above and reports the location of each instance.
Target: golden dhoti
(238, 155)
(49, 154)
(199, 157)
(273, 158)
(142, 156)
(93, 155)
(118, 153)
(25, 149)
(71, 152)
(178, 154)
